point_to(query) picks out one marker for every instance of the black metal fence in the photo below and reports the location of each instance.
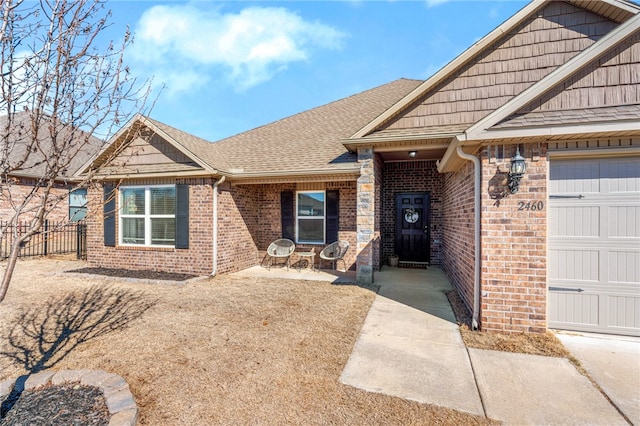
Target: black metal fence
(53, 238)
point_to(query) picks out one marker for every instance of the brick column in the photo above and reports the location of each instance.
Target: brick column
(365, 235)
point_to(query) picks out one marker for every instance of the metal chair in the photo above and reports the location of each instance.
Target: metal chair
(335, 252)
(280, 249)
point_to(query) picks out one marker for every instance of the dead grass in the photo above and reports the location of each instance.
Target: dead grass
(546, 344)
(221, 351)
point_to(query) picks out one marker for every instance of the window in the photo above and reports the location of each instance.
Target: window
(310, 217)
(77, 204)
(148, 215)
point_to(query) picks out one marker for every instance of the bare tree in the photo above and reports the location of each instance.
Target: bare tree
(60, 89)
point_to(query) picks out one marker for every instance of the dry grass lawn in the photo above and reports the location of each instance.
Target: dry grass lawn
(219, 351)
(545, 344)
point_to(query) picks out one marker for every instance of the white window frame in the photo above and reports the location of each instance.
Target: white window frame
(146, 215)
(324, 217)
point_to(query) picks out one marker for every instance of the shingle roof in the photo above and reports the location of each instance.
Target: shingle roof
(206, 151)
(311, 139)
(42, 147)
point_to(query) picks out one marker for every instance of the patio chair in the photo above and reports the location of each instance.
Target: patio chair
(280, 249)
(335, 252)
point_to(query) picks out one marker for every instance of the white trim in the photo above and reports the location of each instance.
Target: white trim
(565, 71)
(147, 216)
(323, 217)
(594, 153)
(554, 130)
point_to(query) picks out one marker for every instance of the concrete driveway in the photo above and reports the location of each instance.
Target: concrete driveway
(613, 362)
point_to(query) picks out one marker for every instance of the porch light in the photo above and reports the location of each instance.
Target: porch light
(412, 154)
(516, 171)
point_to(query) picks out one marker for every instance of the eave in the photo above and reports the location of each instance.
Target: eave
(347, 173)
(120, 140)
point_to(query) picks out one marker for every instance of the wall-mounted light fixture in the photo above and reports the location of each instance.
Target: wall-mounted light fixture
(516, 171)
(412, 154)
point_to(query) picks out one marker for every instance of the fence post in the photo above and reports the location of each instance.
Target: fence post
(46, 237)
(81, 240)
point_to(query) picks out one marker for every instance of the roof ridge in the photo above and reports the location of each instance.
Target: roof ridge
(328, 104)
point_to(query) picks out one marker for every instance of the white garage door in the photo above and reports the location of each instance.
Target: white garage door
(594, 245)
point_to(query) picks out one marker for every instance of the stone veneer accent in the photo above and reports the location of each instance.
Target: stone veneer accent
(366, 235)
(122, 407)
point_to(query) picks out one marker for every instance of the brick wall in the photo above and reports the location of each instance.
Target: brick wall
(514, 261)
(197, 259)
(249, 220)
(457, 249)
(16, 193)
(269, 221)
(239, 226)
(412, 176)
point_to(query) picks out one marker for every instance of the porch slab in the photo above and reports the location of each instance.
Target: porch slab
(337, 277)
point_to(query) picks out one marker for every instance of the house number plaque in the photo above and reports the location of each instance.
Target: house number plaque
(531, 205)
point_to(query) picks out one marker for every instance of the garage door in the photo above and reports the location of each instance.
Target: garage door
(594, 245)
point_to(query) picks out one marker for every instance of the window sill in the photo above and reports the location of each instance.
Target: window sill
(145, 248)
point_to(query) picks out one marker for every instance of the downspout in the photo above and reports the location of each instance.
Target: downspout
(214, 270)
(476, 209)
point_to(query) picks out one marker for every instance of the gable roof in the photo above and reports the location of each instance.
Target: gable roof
(614, 10)
(33, 164)
(203, 154)
(486, 128)
(306, 143)
(608, 42)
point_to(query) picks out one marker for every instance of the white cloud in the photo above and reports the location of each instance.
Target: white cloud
(433, 3)
(246, 48)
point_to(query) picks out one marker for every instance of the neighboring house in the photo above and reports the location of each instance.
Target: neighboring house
(420, 169)
(23, 161)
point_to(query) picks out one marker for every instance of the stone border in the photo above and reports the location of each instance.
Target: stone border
(120, 403)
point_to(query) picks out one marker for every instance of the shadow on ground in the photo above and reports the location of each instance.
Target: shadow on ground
(42, 335)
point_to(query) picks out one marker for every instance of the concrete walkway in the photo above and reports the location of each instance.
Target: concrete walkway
(410, 347)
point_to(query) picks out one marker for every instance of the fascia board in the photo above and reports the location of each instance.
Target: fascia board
(556, 77)
(351, 170)
(83, 169)
(452, 66)
(601, 127)
(143, 121)
(177, 145)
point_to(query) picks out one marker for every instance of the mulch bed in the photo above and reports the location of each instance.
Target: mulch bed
(129, 273)
(68, 404)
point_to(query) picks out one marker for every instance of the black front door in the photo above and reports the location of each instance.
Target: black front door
(412, 227)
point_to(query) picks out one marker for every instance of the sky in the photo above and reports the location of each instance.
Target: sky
(229, 67)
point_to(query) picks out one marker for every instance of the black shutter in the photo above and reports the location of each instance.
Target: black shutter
(287, 213)
(333, 216)
(109, 206)
(182, 216)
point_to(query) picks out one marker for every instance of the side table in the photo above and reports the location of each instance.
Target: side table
(310, 256)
